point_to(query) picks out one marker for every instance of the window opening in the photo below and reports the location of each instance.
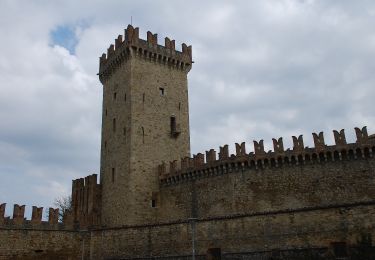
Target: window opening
(114, 95)
(143, 135)
(114, 124)
(175, 128)
(113, 174)
(106, 112)
(173, 124)
(179, 106)
(143, 97)
(124, 131)
(161, 91)
(125, 98)
(154, 199)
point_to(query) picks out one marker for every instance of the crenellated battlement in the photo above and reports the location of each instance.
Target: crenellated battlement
(85, 212)
(18, 219)
(86, 197)
(149, 49)
(198, 167)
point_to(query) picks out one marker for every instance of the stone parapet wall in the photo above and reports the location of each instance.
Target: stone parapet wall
(149, 49)
(18, 219)
(197, 167)
(287, 187)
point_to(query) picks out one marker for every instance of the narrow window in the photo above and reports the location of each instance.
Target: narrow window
(143, 135)
(179, 106)
(113, 174)
(124, 131)
(106, 112)
(114, 124)
(173, 125)
(114, 96)
(125, 98)
(154, 199)
(143, 97)
(161, 91)
(105, 144)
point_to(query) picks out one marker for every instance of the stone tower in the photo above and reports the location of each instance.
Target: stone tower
(145, 122)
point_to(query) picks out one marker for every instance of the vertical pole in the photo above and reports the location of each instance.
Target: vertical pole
(192, 222)
(83, 248)
(101, 245)
(193, 239)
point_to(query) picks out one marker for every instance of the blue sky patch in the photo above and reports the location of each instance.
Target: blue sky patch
(65, 36)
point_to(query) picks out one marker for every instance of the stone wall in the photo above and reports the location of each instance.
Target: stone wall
(22, 238)
(292, 209)
(23, 243)
(242, 191)
(144, 89)
(314, 229)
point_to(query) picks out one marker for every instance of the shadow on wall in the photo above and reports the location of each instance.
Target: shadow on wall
(362, 250)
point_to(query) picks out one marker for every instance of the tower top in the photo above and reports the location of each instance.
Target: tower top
(150, 49)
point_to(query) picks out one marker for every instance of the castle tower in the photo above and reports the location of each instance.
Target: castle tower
(145, 121)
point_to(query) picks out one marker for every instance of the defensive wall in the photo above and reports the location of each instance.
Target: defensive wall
(86, 202)
(247, 205)
(22, 238)
(248, 236)
(280, 179)
(251, 205)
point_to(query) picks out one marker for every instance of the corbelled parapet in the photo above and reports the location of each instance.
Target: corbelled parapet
(19, 221)
(86, 202)
(196, 167)
(131, 45)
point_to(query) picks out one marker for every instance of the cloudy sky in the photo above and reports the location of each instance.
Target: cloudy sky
(262, 69)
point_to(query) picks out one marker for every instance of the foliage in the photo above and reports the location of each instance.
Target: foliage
(64, 204)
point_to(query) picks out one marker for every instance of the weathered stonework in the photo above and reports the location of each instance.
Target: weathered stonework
(144, 87)
(289, 203)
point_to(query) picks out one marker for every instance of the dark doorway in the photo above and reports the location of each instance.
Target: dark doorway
(214, 254)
